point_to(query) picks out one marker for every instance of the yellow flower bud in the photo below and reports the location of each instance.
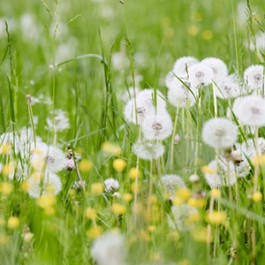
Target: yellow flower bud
(85, 165)
(6, 188)
(216, 217)
(118, 209)
(119, 165)
(94, 232)
(208, 170)
(127, 197)
(97, 188)
(134, 173)
(215, 193)
(91, 213)
(13, 222)
(257, 196)
(111, 148)
(184, 193)
(200, 234)
(46, 201)
(5, 149)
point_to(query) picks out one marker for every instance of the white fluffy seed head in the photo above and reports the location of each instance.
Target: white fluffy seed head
(254, 77)
(50, 184)
(157, 127)
(200, 74)
(137, 109)
(181, 66)
(109, 249)
(50, 158)
(173, 82)
(229, 88)
(181, 216)
(126, 94)
(260, 42)
(219, 133)
(171, 183)
(178, 93)
(223, 174)
(147, 150)
(219, 68)
(59, 123)
(250, 110)
(249, 150)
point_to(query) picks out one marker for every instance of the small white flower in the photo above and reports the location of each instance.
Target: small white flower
(222, 175)
(50, 184)
(171, 183)
(109, 249)
(250, 110)
(200, 74)
(111, 185)
(219, 133)
(229, 88)
(219, 68)
(147, 150)
(254, 77)
(157, 127)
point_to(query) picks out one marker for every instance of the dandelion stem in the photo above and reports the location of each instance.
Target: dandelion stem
(173, 141)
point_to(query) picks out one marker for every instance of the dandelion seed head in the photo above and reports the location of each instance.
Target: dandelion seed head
(147, 150)
(135, 111)
(59, 123)
(219, 68)
(219, 133)
(223, 175)
(250, 110)
(249, 150)
(50, 184)
(171, 183)
(182, 64)
(180, 98)
(254, 77)
(109, 249)
(157, 127)
(200, 74)
(50, 158)
(229, 88)
(259, 42)
(125, 95)
(182, 214)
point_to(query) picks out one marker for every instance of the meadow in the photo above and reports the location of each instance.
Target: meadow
(132, 132)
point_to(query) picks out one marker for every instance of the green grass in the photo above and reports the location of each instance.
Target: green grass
(87, 87)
